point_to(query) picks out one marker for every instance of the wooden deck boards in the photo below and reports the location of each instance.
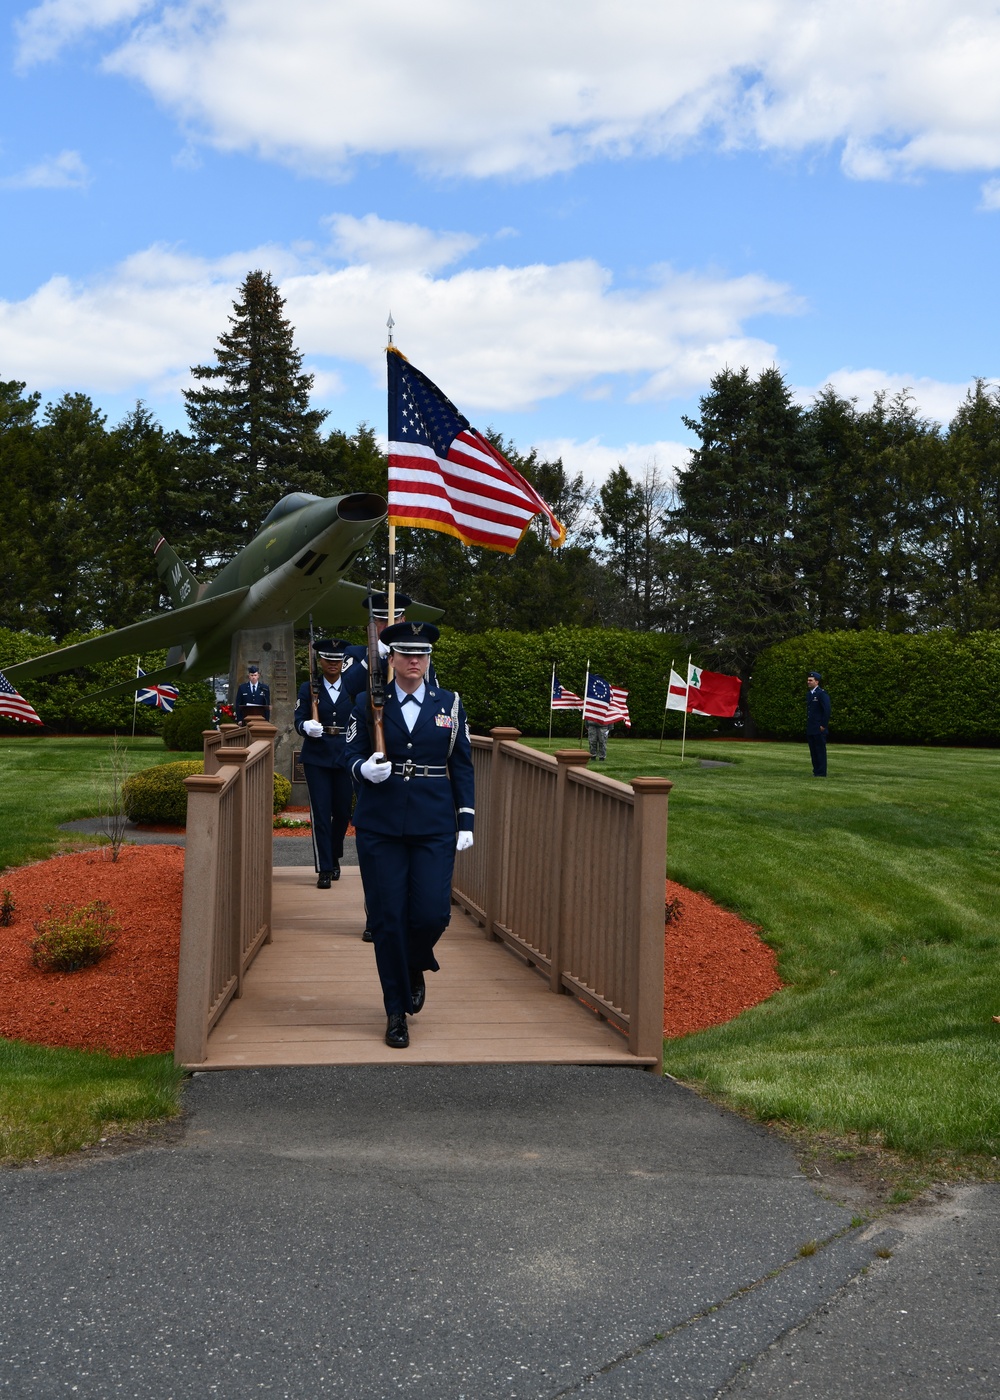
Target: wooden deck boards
(312, 997)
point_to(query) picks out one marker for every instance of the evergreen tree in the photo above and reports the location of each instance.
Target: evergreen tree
(252, 413)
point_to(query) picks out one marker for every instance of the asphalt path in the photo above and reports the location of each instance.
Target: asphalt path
(287, 850)
(477, 1233)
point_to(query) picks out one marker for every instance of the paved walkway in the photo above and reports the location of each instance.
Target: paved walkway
(481, 1232)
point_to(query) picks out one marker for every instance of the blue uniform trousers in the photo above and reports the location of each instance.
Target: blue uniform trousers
(407, 882)
(817, 752)
(330, 793)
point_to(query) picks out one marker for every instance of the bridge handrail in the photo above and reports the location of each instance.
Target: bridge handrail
(226, 907)
(567, 869)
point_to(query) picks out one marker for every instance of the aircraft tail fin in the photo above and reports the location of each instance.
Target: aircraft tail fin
(175, 576)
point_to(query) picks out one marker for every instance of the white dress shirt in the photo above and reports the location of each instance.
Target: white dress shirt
(411, 713)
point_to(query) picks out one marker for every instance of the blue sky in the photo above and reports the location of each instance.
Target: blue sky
(577, 213)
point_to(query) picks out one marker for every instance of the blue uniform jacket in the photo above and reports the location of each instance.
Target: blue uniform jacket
(416, 806)
(355, 670)
(330, 751)
(817, 711)
(244, 697)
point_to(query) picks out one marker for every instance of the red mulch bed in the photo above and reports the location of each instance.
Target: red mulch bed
(716, 964)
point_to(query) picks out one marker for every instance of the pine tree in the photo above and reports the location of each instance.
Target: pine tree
(253, 412)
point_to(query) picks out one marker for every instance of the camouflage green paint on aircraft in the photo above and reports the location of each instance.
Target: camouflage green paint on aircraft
(294, 566)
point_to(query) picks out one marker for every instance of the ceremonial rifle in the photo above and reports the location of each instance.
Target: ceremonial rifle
(376, 684)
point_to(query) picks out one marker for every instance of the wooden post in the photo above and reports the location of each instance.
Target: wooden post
(566, 759)
(236, 758)
(649, 834)
(496, 855)
(194, 971)
(260, 729)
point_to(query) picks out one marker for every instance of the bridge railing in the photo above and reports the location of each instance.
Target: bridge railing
(568, 869)
(226, 909)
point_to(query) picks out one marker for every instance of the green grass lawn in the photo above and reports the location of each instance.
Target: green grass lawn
(878, 886)
(55, 1101)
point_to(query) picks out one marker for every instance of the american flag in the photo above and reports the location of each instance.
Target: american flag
(13, 705)
(444, 475)
(563, 699)
(163, 697)
(606, 704)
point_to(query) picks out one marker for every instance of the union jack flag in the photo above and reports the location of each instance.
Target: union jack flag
(162, 697)
(563, 699)
(606, 704)
(444, 475)
(13, 705)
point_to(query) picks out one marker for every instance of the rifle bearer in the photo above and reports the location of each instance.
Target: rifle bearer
(321, 717)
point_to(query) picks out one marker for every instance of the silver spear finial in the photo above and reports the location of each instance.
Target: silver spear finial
(390, 323)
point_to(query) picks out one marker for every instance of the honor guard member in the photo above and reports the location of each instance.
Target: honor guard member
(252, 692)
(817, 722)
(414, 811)
(324, 758)
(356, 657)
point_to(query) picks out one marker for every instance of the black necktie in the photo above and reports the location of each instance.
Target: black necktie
(412, 699)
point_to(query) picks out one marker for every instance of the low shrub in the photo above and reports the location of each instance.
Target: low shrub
(182, 728)
(74, 938)
(6, 909)
(159, 795)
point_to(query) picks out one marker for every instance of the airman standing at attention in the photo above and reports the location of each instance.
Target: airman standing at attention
(253, 691)
(324, 759)
(415, 809)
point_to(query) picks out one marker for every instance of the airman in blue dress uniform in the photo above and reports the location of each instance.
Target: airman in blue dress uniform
(415, 809)
(817, 722)
(356, 657)
(253, 691)
(324, 759)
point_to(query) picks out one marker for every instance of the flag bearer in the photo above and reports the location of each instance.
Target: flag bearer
(415, 809)
(324, 759)
(356, 657)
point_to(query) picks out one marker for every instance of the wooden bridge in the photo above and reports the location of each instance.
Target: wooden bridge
(562, 893)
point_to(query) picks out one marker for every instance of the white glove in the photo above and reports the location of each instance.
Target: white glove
(383, 650)
(312, 728)
(463, 841)
(376, 769)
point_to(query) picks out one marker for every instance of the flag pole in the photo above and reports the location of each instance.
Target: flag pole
(663, 726)
(687, 696)
(135, 697)
(552, 696)
(586, 687)
(391, 573)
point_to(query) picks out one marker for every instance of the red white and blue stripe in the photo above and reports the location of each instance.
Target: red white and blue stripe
(605, 704)
(13, 705)
(162, 697)
(444, 475)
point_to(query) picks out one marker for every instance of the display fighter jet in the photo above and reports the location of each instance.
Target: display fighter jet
(293, 566)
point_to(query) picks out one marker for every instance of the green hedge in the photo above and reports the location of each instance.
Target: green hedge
(183, 727)
(884, 687)
(504, 677)
(159, 795)
(59, 700)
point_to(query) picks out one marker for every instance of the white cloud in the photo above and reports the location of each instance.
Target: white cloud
(66, 171)
(900, 85)
(934, 398)
(990, 196)
(596, 460)
(497, 338)
(388, 244)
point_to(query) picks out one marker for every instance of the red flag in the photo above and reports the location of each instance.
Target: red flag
(711, 693)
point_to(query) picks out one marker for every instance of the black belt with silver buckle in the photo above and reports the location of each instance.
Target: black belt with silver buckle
(409, 770)
(332, 729)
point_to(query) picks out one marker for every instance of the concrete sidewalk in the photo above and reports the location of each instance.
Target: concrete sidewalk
(481, 1233)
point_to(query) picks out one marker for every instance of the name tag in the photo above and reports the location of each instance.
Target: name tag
(444, 721)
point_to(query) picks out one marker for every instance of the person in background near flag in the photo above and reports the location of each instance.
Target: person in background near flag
(817, 722)
(324, 760)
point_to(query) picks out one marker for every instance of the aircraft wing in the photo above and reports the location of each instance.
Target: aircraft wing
(135, 683)
(343, 607)
(163, 630)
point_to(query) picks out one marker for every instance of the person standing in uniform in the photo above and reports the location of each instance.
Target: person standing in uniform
(252, 692)
(324, 759)
(817, 722)
(356, 657)
(597, 739)
(415, 809)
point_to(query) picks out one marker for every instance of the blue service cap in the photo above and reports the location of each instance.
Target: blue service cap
(380, 603)
(411, 638)
(329, 650)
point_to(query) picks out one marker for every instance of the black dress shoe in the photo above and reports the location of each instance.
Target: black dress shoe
(418, 990)
(335, 872)
(367, 936)
(397, 1037)
(323, 883)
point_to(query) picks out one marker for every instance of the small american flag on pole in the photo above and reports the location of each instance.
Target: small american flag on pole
(606, 704)
(444, 475)
(13, 705)
(563, 699)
